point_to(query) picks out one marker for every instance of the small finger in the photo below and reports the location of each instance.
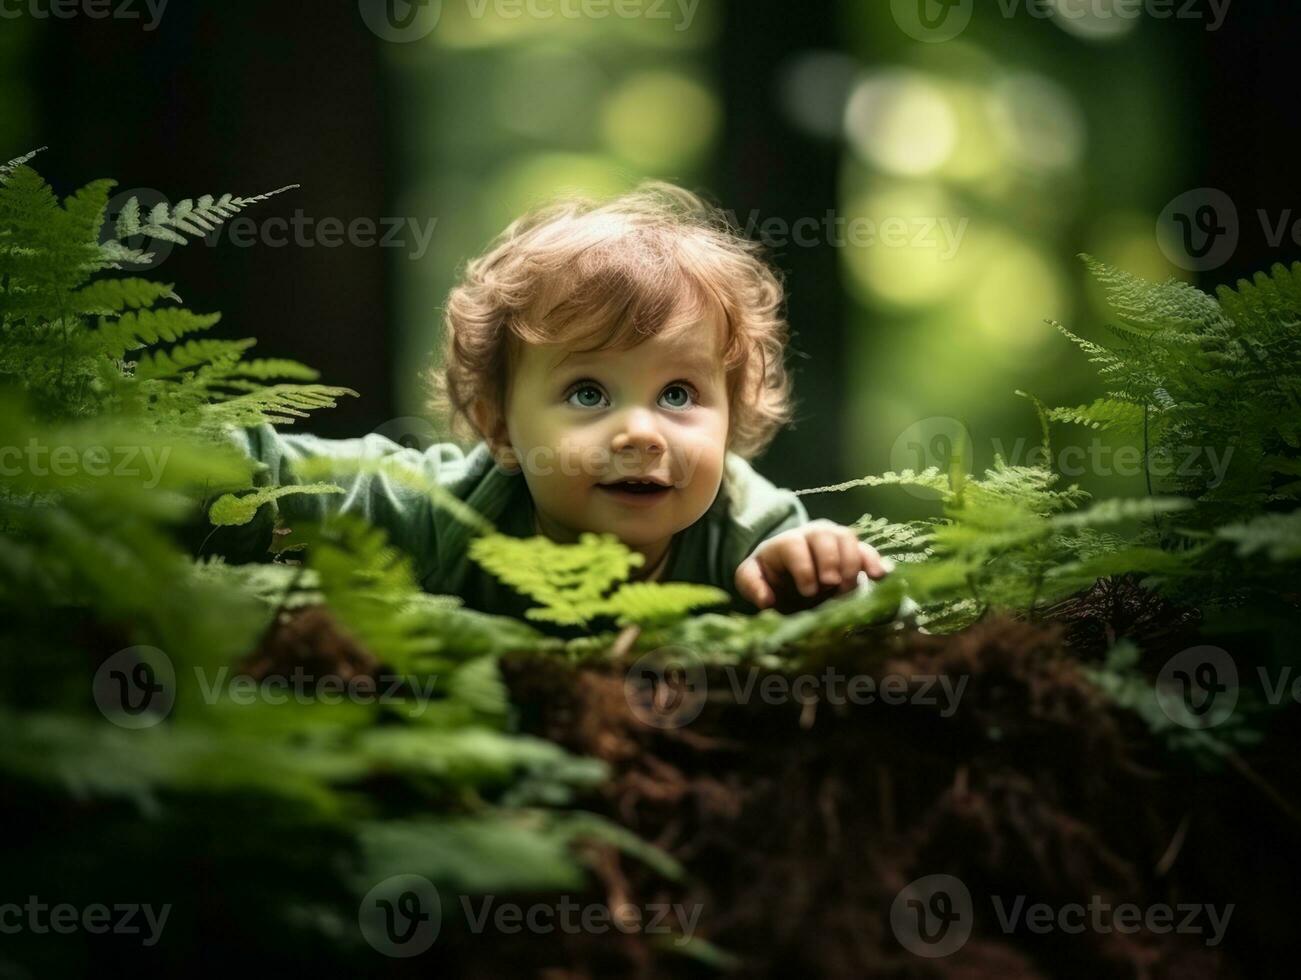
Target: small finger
(851, 561)
(751, 583)
(872, 561)
(825, 546)
(796, 558)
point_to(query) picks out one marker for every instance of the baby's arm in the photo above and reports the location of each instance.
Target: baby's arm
(401, 510)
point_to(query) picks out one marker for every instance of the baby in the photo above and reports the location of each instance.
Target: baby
(619, 365)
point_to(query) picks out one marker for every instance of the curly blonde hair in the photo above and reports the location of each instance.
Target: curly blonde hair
(649, 260)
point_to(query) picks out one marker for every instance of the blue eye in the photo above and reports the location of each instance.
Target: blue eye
(685, 391)
(583, 389)
(586, 394)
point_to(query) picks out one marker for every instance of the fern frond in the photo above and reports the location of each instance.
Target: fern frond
(187, 357)
(1278, 535)
(903, 542)
(230, 510)
(568, 580)
(1118, 510)
(188, 217)
(1156, 306)
(660, 604)
(1103, 414)
(108, 296)
(277, 404)
(1268, 300)
(930, 479)
(7, 168)
(143, 327)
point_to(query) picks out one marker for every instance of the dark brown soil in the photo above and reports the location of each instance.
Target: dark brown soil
(800, 823)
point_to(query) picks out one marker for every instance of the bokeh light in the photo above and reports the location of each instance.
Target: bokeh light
(660, 120)
(901, 122)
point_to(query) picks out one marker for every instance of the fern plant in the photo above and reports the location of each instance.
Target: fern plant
(120, 413)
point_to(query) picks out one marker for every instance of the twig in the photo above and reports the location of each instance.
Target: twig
(1167, 861)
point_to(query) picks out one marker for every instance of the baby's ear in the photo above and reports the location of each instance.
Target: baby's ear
(492, 427)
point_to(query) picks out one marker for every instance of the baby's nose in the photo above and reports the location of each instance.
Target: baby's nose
(639, 432)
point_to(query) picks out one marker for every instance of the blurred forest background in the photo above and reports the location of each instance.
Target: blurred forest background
(987, 160)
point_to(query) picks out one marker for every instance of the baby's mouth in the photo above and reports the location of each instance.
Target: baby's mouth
(640, 490)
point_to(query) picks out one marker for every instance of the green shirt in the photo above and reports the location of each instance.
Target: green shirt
(747, 511)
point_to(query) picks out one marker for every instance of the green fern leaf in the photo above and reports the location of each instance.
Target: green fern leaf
(1278, 535)
(660, 604)
(230, 510)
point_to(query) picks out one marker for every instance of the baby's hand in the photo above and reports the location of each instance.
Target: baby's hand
(800, 568)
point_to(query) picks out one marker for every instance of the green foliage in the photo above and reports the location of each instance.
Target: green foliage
(571, 581)
(119, 415)
(229, 510)
(1122, 680)
(165, 224)
(95, 369)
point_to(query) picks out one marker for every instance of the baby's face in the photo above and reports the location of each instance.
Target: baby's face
(579, 423)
